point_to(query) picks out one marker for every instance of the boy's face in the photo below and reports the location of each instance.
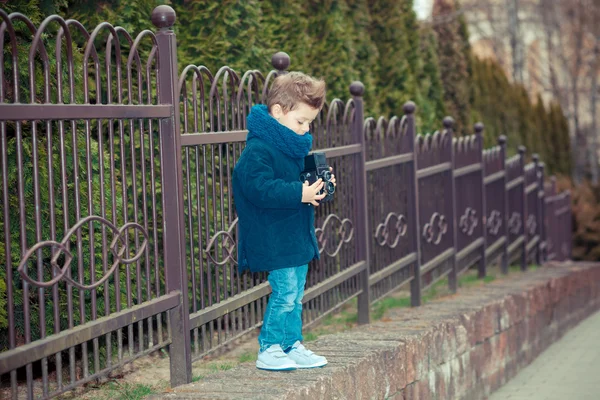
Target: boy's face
(298, 119)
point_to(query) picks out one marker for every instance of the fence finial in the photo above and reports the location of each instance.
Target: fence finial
(280, 61)
(502, 140)
(448, 122)
(522, 149)
(163, 17)
(535, 157)
(479, 128)
(409, 107)
(357, 88)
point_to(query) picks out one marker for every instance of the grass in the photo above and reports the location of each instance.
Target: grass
(379, 308)
(220, 367)
(247, 356)
(126, 391)
(310, 336)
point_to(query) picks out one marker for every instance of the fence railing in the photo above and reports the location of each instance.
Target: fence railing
(119, 226)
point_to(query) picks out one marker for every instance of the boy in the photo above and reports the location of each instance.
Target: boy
(276, 220)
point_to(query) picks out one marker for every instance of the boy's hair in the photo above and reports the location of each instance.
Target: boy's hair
(290, 89)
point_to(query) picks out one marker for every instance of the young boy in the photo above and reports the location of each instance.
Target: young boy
(276, 217)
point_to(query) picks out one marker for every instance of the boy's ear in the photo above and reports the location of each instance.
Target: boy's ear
(276, 111)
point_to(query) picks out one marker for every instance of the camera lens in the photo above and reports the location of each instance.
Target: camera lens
(330, 187)
(303, 177)
(326, 175)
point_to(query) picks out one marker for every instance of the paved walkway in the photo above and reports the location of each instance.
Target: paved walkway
(568, 369)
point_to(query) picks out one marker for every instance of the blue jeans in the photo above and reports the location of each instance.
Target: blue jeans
(283, 318)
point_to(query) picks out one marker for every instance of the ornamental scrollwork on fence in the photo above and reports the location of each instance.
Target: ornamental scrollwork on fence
(228, 246)
(62, 247)
(468, 221)
(514, 223)
(344, 231)
(531, 225)
(494, 222)
(393, 223)
(435, 229)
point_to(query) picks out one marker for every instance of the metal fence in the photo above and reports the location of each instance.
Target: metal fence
(119, 226)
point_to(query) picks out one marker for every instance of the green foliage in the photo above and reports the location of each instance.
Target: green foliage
(128, 391)
(559, 157)
(454, 60)
(429, 98)
(284, 26)
(217, 33)
(133, 15)
(3, 302)
(506, 109)
(247, 356)
(395, 83)
(366, 53)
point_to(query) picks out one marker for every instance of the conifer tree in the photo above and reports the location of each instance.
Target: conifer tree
(365, 54)
(219, 33)
(331, 53)
(453, 65)
(284, 27)
(560, 134)
(545, 146)
(430, 97)
(395, 84)
(526, 122)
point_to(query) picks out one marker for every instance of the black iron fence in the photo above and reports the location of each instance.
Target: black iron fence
(119, 227)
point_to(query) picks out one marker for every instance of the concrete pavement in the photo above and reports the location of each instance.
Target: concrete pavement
(568, 370)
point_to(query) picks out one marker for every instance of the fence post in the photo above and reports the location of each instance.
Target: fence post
(569, 234)
(362, 226)
(482, 206)
(536, 168)
(163, 17)
(504, 259)
(415, 284)
(541, 215)
(522, 151)
(453, 275)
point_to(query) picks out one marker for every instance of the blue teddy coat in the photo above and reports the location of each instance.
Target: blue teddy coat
(276, 230)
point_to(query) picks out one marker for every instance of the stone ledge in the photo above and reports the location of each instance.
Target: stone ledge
(463, 347)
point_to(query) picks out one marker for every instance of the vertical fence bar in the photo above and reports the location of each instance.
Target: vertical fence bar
(482, 205)
(163, 17)
(415, 284)
(363, 235)
(522, 150)
(504, 260)
(453, 275)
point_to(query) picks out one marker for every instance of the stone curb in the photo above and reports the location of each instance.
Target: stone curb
(463, 347)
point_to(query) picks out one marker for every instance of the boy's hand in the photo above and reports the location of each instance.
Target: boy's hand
(310, 192)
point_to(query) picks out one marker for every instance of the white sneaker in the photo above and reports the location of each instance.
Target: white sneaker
(305, 358)
(274, 359)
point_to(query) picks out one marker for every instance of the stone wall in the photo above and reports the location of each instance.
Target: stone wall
(463, 347)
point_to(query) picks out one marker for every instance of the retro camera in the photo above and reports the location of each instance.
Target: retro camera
(315, 167)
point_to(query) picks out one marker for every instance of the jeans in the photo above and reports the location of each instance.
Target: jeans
(282, 323)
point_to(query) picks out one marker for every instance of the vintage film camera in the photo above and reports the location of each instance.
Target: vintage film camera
(315, 167)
